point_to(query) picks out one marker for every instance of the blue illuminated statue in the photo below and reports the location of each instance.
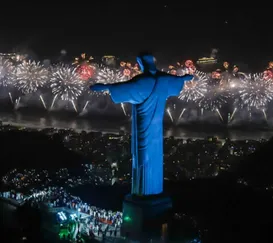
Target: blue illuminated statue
(147, 93)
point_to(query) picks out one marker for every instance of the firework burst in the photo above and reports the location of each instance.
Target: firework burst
(108, 75)
(6, 68)
(213, 99)
(83, 59)
(84, 67)
(255, 92)
(30, 76)
(66, 83)
(196, 88)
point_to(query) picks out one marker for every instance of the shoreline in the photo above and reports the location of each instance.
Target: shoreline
(105, 125)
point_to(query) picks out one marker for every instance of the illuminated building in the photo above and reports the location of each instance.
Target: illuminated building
(206, 64)
(8, 55)
(109, 60)
(13, 56)
(206, 61)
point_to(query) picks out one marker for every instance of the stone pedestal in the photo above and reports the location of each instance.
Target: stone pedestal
(145, 216)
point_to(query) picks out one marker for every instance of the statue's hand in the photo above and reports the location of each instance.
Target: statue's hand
(99, 87)
(188, 77)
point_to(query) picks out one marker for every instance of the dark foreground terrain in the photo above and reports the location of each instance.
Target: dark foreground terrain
(224, 210)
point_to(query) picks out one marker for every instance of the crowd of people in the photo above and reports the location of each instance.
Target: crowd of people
(93, 221)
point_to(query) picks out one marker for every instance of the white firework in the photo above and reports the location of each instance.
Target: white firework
(255, 92)
(196, 88)
(107, 75)
(6, 69)
(30, 76)
(213, 99)
(66, 83)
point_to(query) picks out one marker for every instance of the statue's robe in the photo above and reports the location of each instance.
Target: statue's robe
(148, 94)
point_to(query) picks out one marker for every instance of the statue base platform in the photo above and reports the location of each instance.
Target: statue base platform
(143, 216)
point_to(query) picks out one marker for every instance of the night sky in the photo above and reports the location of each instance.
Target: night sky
(171, 31)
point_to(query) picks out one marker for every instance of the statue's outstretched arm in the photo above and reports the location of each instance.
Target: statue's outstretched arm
(176, 83)
(105, 87)
(122, 92)
(99, 87)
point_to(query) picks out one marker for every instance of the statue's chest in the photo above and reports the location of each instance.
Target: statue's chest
(160, 89)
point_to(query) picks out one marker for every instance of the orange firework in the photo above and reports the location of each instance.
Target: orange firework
(84, 67)
(235, 69)
(127, 72)
(122, 64)
(190, 67)
(268, 75)
(189, 64)
(216, 75)
(136, 67)
(83, 59)
(129, 65)
(226, 65)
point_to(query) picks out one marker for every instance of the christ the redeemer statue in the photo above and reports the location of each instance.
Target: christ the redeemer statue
(147, 93)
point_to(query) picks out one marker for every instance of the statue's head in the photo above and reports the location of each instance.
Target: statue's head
(146, 63)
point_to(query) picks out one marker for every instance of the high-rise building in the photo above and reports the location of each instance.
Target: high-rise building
(11, 55)
(206, 63)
